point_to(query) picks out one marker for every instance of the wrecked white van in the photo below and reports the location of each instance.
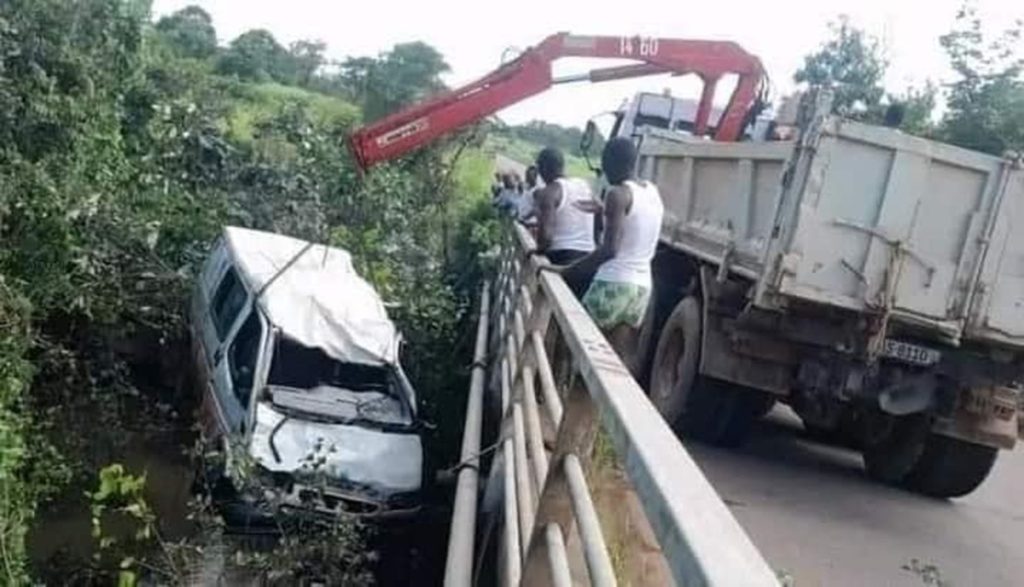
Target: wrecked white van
(299, 366)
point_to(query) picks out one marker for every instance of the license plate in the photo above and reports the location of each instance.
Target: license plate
(910, 353)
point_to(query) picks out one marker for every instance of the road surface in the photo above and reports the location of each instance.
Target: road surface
(814, 515)
(503, 164)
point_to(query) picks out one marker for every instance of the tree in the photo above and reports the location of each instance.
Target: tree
(918, 105)
(254, 55)
(397, 78)
(986, 102)
(851, 63)
(306, 57)
(189, 32)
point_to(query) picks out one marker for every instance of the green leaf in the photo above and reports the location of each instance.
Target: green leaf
(127, 579)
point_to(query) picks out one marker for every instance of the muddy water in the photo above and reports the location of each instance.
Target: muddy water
(60, 542)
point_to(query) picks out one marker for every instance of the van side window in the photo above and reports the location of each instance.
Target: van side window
(227, 302)
(242, 357)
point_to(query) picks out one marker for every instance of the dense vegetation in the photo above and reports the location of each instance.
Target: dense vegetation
(124, 146)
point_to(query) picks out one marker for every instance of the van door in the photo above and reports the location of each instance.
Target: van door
(210, 278)
(237, 374)
(221, 320)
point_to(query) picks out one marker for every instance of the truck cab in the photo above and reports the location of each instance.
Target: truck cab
(662, 111)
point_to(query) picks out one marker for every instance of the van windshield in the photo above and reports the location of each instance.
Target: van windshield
(322, 386)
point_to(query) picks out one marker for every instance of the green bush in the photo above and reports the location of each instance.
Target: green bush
(122, 154)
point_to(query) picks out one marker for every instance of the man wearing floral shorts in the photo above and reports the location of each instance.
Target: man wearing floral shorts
(611, 303)
(621, 288)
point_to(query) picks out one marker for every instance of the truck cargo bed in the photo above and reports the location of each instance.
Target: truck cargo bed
(868, 219)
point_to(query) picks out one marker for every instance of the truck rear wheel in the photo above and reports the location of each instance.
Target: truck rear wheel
(909, 455)
(700, 407)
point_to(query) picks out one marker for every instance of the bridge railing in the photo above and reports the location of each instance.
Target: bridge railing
(559, 381)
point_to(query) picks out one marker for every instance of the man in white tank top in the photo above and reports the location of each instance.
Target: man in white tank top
(621, 289)
(565, 232)
(530, 186)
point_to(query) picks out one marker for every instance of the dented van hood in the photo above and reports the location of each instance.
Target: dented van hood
(388, 462)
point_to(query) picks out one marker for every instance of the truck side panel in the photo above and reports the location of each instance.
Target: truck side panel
(719, 198)
(999, 296)
(870, 220)
(891, 222)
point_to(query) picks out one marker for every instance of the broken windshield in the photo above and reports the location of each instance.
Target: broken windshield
(320, 385)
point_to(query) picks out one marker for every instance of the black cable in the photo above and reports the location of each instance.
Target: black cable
(273, 433)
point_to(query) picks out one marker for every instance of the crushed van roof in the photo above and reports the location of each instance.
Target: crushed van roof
(319, 300)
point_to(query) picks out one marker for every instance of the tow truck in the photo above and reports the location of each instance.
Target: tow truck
(867, 278)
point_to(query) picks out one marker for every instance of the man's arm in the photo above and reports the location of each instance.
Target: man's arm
(546, 200)
(616, 205)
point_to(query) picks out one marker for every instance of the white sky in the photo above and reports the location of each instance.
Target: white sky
(473, 34)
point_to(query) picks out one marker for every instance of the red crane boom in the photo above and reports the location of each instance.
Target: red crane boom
(530, 74)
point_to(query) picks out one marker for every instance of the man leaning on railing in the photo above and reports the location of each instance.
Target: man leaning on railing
(621, 288)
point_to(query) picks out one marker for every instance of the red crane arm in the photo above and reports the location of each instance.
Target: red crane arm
(530, 74)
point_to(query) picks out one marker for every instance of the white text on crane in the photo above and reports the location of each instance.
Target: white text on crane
(648, 46)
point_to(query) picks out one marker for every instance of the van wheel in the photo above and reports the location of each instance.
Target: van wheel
(906, 453)
(699, 407)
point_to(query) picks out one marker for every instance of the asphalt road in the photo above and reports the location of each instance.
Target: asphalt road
(816, 517)
(503, 164)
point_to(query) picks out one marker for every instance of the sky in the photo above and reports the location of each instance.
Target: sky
(474, 35)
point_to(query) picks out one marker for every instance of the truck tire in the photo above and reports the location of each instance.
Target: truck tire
(699, 407)
(639, 360)
(950, 467)
(676, 359)
(911, 456)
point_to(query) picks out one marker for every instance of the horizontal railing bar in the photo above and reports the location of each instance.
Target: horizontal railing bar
(459, 564)
(557, 558)
(701, 540)
(552, 402)
(599, 565)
